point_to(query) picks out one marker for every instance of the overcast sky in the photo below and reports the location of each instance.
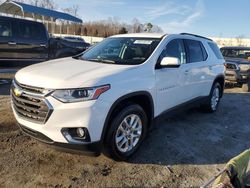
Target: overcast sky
(221, 18)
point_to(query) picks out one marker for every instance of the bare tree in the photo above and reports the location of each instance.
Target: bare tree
(136, 26)
(34, 2)
(239, 40)
(75, 9)
(85, 31)
(123, 30)
(72, 10)
(148, 26)
(49, 4)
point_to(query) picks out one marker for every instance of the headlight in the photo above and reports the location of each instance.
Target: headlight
(244, 67)
(231, 66)
(81, 94)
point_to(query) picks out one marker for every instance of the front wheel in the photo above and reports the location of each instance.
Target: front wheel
(246, 87)
(214, 99)
(128, 129)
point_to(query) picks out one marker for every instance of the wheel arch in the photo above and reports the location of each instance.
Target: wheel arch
(221, 80)
(142, 98)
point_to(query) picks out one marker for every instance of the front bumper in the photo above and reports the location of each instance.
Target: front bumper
(237, 76)
(89, 114)
(93, 148)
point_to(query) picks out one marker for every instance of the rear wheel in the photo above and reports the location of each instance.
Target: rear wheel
(214, 98)
(128, 129)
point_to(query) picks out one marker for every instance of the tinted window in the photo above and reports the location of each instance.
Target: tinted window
(196, 51)
(216, 50)
(176, 49)
(31, 31)
(204, 52)
(236, 53)
(5, 29)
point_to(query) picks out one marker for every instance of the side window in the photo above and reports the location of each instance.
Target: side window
(174, 48)
(204, 52)
(5, 29)
(216, 50)
(196, 51)
(31, 31)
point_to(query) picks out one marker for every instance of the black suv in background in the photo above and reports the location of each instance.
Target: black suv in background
(237, 65)
(25, 40)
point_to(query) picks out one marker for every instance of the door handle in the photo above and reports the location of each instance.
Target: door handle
(11, 43)
(186, 71)
(43, 45)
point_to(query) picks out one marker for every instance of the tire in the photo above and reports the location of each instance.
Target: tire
(118, 143)
(213, 101)
(246, 87)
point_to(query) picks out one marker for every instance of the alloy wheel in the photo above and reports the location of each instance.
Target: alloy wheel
(128, 133)
(215, 98)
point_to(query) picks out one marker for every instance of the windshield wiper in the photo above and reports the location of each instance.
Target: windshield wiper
(102, 61)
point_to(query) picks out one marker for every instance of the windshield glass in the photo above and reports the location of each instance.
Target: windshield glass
(123, 51)
(236, 53)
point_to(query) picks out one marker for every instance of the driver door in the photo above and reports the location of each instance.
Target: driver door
(169, 80)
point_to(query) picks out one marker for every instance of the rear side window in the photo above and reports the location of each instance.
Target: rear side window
(216, 50)
(196, 51)
(5, 29)
(31, 31)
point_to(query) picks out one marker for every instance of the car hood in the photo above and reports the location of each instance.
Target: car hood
(237, 60)
(68, 73)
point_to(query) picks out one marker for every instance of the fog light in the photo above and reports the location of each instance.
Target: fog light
(244, 77)
(80, 132)
(76, 135)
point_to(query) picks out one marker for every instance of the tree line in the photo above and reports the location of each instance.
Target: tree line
(112, 26)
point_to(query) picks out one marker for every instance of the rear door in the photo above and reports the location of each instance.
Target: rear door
(198, 71)
(32, 41)
(8, 43)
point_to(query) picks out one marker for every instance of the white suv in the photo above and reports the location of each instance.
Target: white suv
(107, 97)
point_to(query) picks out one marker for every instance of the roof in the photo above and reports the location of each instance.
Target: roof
(22, 9)
(161, 35)
(194, 35)
(143, 35)
(236, 48)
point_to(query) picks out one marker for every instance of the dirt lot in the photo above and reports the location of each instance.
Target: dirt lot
(193, 145)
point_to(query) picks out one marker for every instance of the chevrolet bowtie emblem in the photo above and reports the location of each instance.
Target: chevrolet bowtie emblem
(17, 92)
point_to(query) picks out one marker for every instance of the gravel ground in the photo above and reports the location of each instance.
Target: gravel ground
(182, 151)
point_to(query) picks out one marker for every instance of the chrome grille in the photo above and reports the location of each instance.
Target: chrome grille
(34, 108)
(26, 88)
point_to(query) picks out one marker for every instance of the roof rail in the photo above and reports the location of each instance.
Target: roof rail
(196, 36)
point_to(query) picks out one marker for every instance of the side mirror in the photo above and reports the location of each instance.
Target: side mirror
(170, 62)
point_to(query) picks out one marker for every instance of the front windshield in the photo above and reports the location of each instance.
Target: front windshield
(121, 50)
(236, 53)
